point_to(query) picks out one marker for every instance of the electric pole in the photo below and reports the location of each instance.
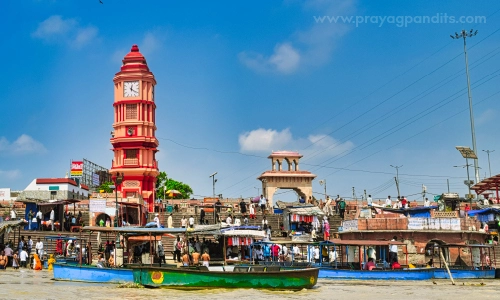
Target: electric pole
(464, 34)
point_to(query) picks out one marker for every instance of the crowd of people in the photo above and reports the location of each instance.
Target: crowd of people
(22, 256)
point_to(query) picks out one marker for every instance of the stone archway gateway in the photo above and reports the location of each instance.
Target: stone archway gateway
(285, 174)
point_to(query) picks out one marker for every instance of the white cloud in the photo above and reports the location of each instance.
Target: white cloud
(285, 59)
(267, 140)
(325, 145)
(310, 47)
(55, 29)
(486, 116)
(150, 43)
(84, 36)
(24, 144)
(264, 140)
(10, 174)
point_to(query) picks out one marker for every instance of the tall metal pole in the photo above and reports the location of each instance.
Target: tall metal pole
(464, 34)
(213, 183)
(468, 179)
(397, 176)
(489, 165)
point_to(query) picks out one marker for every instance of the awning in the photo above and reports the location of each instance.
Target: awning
(366, 242)
(306, 211)
(145, 238)
(135, 230)
(252, 233)
(489, 210)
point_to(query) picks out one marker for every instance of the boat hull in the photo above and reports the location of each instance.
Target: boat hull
(441, 273)
(407, 274)
(92, 274)
(192, 278)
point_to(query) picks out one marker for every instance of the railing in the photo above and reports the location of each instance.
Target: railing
(131, 162)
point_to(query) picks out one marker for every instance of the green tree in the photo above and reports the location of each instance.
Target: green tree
(105, 187)
(164, 184)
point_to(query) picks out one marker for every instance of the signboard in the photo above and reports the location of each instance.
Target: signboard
(95, 179)
(455, 224)
(351, 225)
(53, 188)
(416, 223)
(76, 168)
(97, 205)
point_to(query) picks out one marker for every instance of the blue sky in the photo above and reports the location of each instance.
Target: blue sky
(237, 80)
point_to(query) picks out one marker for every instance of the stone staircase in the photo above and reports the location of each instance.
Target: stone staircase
(274, 220)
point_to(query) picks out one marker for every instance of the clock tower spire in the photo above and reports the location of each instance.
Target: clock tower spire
(133, 139)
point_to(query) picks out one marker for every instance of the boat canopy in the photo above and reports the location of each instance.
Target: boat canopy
(365, 242)
(306, 211)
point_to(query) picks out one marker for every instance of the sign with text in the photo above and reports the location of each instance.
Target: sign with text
(350, 225)
(76, 168)
(97, 205)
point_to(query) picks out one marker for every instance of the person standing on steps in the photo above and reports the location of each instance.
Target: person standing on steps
(39, 217)
(342, 208)
(170, 222)
(52, 219)
(262, 203)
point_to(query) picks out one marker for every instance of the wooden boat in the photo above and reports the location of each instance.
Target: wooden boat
(85, 273)
(479, 265)
(261, 277)
(349, 270)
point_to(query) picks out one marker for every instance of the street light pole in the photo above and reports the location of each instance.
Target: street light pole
(397, 176)
(468, 178)
(489, 165)
(213, 183)
(464, 34)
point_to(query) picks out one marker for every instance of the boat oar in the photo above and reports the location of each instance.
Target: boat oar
(446, 266)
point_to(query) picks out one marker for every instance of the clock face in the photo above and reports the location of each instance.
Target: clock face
(131, 89)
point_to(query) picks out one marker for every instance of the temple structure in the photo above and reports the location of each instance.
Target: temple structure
(285, 174)
(134, 168)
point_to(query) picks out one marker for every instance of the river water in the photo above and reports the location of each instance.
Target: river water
(29, 284)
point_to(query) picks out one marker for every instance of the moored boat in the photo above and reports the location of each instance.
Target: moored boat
(86, 273)
(332, 264)
(260, 277)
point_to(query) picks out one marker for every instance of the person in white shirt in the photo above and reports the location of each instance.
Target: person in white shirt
(170, 222)
(264, 223)
(191, 222)
(252, 211)
(23, 258)
(183, 222)
(13, 215)
(39, 218)
(39, 248)
(262, 203)
(388, 202)
(427, 203)
(327, 209)
(229, 220)
(393, 251)
(52, 218)
(369, 200)
(316, 254)
(237, 221)
(157, 220)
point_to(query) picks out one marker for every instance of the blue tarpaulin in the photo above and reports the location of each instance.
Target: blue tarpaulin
(484, 215)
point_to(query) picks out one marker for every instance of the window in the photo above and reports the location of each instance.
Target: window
(131, 153)
(53, 195)
(131, 112)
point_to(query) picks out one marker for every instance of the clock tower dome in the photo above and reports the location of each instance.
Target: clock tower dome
(133, 139)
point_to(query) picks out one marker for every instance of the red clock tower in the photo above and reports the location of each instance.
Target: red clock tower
(134, 142)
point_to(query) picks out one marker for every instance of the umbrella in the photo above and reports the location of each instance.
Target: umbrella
(256, 199)
(173, 193)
